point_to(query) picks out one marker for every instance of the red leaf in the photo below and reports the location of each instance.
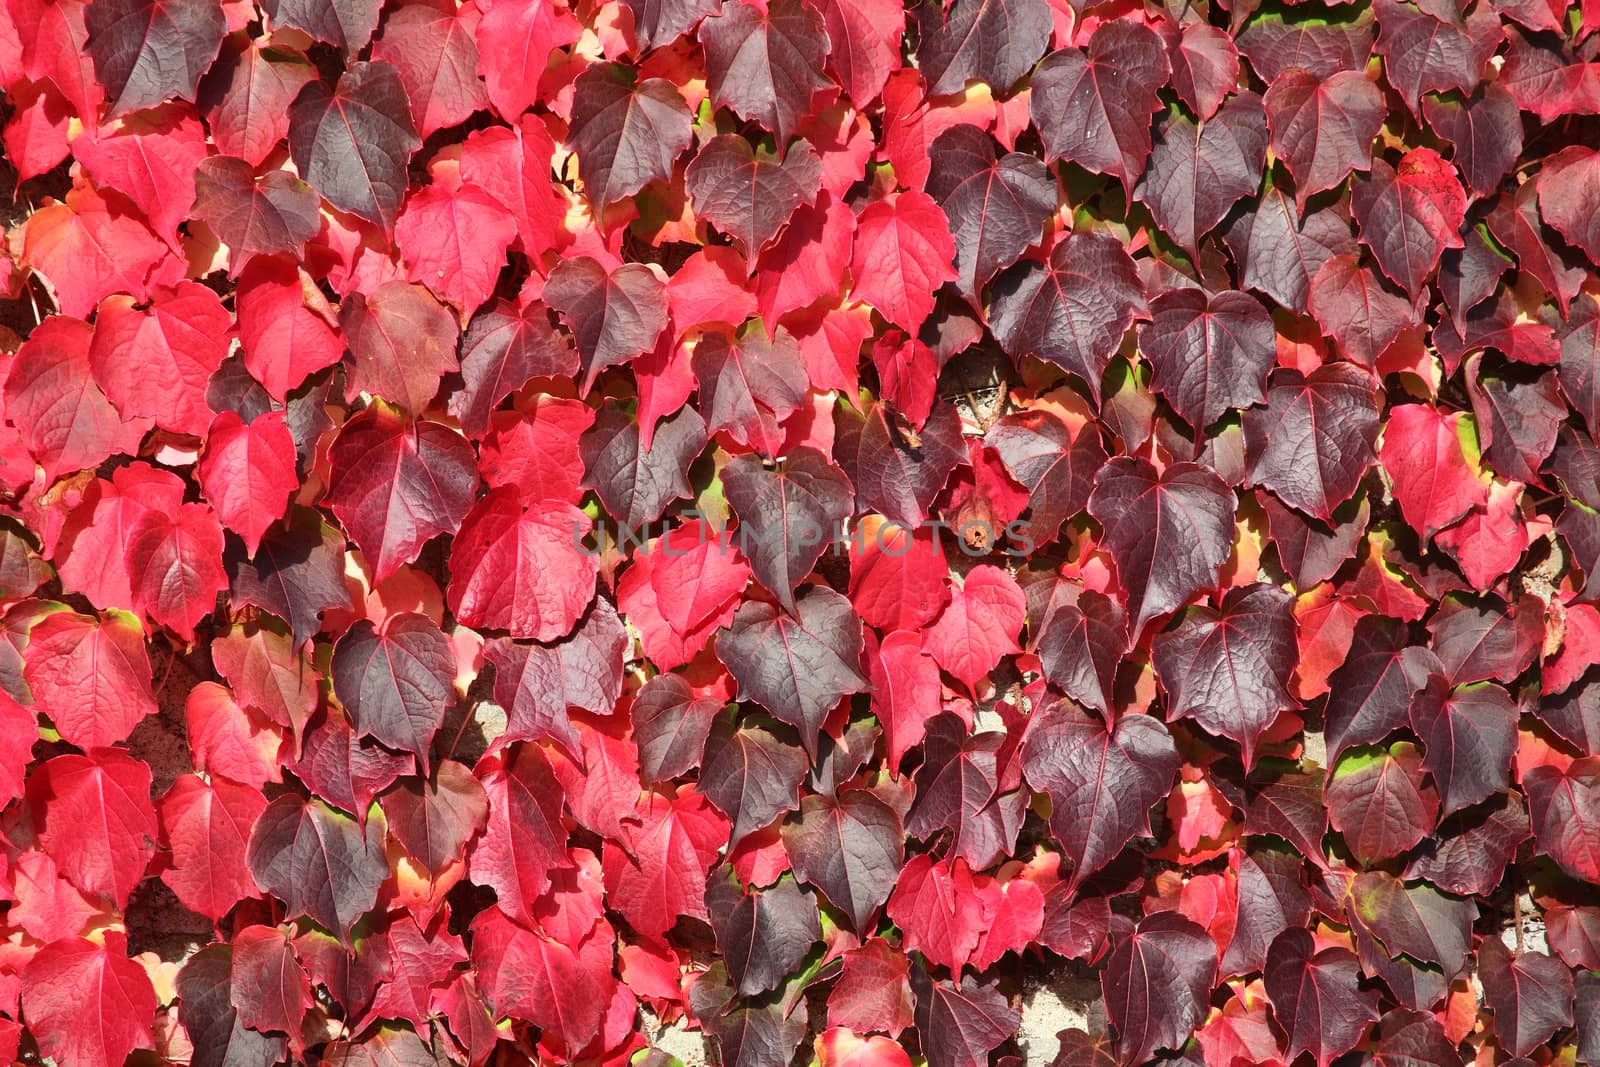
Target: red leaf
(503, 536)
(88, 1003)
(657, 872)
(515, 43)
(91, 676)
(174, 566)
(207, 825)
(979, 626)
(98, 823)
(525, 839)
(1315, 998)
(248, 472)
(903, 253)
(285, 328)
(454, 241)
(396, 484)
(269, 989)
(66, 421)
(1431, 457)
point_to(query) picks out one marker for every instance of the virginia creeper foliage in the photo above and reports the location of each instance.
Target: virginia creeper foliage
(539, 531)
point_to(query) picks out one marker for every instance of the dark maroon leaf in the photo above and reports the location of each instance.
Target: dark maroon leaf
(297, 572)
(635, 482)
(354, 143)
(797, 668)
(851, 847)
(1413, 1039)
(1279, 250)
(1530, 994)
(1229, 669)
(1210, 354)
(1577, 467)
(660, 22)
(503, 348)
(615, 316)
(1197, 173)
(538, 682)
(1361, 311)
(1562, 805)
(396, 484)
(1574, 933)
(1308, 549)
(1073, 311)
(220, 1038)
(1516, 224)
(1414, 920)
(626, 133)
(1485, 128)
(1080, 646)
(752, 1034)
(992, 41)
(670, 725)
(748, 197)
(1477, 641)
(346, 24)
(762, 934)
(1102, 782)
(1409, 214)
(1471, 274)
(1094, 107)
(1056, 467)
(1078, 1049)
(959, 793)
(1579, 527)
(1417, 986)
(750, 775)
(896, 469)
(1275, 41)
(1431, 49)
(1316, 438)
(1168, 532)
(318, 861)
(791, 514)
(146, 51)
(1157, 983)
(1580, 360)
(395, 683)
(1205, 65)
(750, 385)
(997, 205)
(1369, 695)
(1587, 1013)
(1280, 799)
(1574, 713)
(1272, 898)
(1378, 800)
(341, 769)
(1322, 127)
(959, 1024)
(1315, 998)
(434, 820)
(275, 213)
(765, 65)
(1077, 924)
(1517, 422)
(1471, 850)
